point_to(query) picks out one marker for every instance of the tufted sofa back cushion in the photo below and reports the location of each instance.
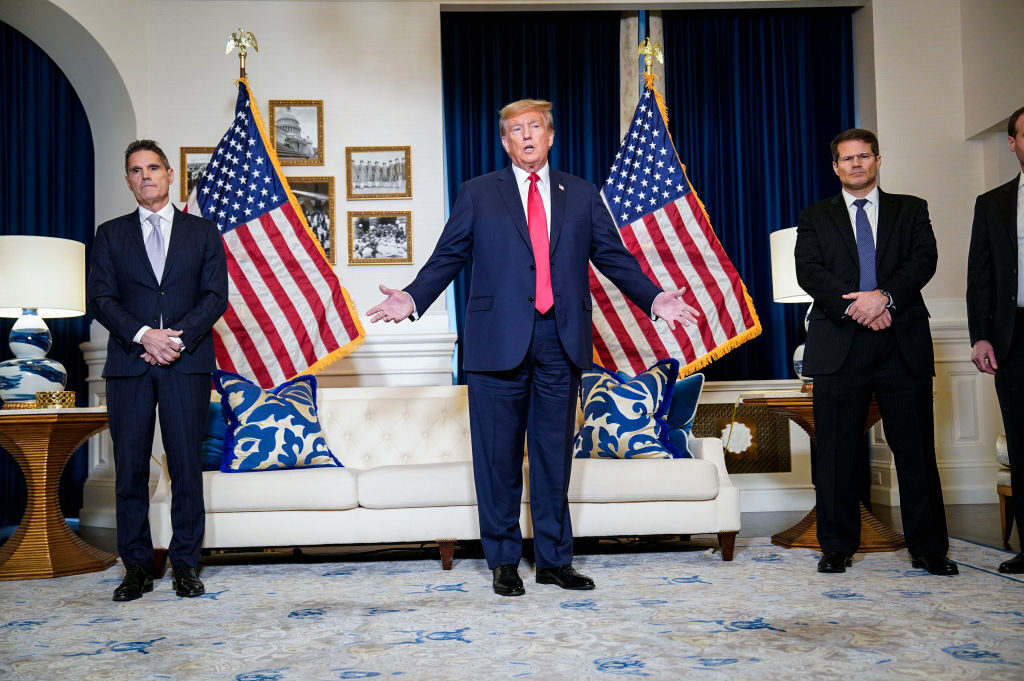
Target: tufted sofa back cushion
(368, 427)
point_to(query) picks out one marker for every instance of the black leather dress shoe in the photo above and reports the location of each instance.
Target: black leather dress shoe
(565, 577)
(935, 563)
(1014, 566)
(507, 581)
(834, 561)
(185, 581)
(136, 582)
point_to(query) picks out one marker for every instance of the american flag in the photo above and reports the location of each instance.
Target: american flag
(664, 225)
(287, 311)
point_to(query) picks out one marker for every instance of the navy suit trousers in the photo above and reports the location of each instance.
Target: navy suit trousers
(182, 401)
(538, 399)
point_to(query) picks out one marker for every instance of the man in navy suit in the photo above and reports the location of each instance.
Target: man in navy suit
(158, 283)
(995, 312)
(531, 231)
(864, 255)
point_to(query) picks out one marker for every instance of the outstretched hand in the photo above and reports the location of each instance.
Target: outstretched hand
(397, 306)
(669, 306)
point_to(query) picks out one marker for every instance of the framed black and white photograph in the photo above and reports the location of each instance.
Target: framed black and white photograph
(378, 173)
(380, 237)
(316, 196)
(297, 131)
(191, 166)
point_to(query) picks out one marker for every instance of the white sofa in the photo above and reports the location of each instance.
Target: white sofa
(408, 477)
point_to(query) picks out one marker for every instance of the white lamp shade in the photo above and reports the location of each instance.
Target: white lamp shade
(43, 273)
(785, 288)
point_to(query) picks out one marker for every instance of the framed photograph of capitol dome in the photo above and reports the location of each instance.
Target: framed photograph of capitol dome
(297, 131)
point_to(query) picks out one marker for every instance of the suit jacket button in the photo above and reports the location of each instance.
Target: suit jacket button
(533, 267)
(530, 299)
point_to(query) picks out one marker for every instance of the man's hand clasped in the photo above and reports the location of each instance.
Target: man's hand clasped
(159, 346)
(669, 306)
(870, 309)
(397, 306)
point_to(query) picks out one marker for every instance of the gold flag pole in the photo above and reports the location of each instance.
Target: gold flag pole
(651, 51)
(242, 40)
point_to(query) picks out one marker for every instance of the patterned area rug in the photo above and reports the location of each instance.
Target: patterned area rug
(766, 615)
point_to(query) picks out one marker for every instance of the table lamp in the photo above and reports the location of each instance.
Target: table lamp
(785, 288)
(39, 277)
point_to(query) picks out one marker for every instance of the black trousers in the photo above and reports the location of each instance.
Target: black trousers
(874, 366)
(182, 401)
(1010, 391)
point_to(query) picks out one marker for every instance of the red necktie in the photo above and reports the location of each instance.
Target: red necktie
(538, 223)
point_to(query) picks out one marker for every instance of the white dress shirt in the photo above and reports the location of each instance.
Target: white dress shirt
(871, 208)
(543, 186)
(166, 223)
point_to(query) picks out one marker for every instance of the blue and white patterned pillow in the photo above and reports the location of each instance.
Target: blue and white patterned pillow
(625, 419)
(271, 429)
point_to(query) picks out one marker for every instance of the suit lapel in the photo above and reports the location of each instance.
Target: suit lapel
(841, 216)
(133, 238)
(886, 224)
(178, 236)
(1008, 206)
(509, 192)
(557, 208)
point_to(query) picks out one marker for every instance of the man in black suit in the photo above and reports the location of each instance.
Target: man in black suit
(864, 256)
(531, 231)
(158, 283)
(995, 311)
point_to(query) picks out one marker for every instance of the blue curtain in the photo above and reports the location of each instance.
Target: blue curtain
(754, 99)
(46, 189)
(489, 59)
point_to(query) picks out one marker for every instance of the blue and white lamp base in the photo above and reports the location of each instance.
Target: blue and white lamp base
(31, 371)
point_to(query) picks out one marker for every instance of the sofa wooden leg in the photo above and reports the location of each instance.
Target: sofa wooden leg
(159, 562)
(447, 548)
(727, 542)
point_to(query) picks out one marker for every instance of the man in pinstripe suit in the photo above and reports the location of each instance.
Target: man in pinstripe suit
(158, 283)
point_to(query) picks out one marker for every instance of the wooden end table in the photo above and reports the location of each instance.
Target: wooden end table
(42, 441)
(874, 534)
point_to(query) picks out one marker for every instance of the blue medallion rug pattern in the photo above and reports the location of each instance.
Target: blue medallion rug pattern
(684, 614)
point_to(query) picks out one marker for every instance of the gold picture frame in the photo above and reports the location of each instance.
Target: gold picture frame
(378, 173)
(316, 198)
(380, 237)
(192, 162)
(292, 124)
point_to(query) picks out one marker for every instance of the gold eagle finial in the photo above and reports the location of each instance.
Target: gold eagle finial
(242, 40)
(651, 51)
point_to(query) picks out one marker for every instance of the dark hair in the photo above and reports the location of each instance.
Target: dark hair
(1011, 127)
(145, 145)
(854, 134)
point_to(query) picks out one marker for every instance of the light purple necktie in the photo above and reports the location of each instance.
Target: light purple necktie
(155, 246)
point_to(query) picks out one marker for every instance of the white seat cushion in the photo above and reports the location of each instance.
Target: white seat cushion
(1002, 456)
(606, 480)
(1003, 477)
(297, 489)
(417, 486)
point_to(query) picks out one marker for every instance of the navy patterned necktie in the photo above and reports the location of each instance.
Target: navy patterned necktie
(865, 248)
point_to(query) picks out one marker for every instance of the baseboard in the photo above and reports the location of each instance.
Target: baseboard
(779, 499)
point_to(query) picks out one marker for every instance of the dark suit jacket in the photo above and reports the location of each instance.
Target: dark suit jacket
(488, 223)
(124, 294)
(827, 267)
(992, 269)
